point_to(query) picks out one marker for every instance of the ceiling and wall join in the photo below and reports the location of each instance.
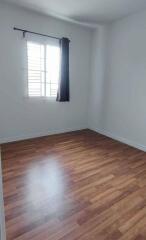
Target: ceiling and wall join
(86, 12)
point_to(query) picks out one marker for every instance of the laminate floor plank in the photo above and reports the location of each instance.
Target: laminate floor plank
(74, 186)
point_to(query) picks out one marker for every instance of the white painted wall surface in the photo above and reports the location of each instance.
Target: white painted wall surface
(109, 97)
(21, 117)
(98, 70)
(123, 87)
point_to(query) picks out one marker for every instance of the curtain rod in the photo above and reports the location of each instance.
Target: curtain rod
(27, 31)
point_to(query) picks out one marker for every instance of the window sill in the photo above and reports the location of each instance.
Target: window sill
(51, 99)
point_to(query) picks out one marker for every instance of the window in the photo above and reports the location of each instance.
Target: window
(43, 69)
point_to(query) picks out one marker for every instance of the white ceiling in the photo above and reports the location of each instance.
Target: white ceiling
(84, 11)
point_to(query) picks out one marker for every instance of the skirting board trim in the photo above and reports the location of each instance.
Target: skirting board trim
(37, 135)
(120, 139)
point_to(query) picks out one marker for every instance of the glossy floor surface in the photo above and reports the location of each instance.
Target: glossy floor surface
(74, 186)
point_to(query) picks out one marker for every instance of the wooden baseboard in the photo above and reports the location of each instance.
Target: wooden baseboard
(120, 139)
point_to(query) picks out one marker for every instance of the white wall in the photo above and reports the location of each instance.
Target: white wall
(109, 97)
(120, 112)
(98, 70)
(21, 117)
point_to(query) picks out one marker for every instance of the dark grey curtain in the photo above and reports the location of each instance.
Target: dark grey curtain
(63, 94)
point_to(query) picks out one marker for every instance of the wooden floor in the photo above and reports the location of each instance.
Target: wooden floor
(74, 186)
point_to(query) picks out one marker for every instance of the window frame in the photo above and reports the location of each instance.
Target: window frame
(44, 43)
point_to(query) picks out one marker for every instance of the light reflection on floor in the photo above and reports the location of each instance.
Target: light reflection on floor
(46, 180)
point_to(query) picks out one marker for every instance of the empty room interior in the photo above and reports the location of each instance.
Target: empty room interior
(72, 120)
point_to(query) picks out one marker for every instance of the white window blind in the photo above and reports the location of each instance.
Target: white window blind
(43, 69)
